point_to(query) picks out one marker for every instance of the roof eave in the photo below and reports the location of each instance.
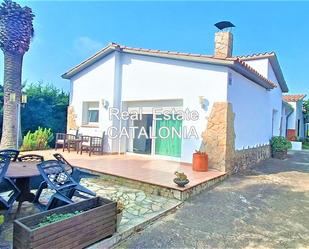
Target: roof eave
(278, 72)
(275, 64)
(88, 62)
(201, 59)
(251, 76)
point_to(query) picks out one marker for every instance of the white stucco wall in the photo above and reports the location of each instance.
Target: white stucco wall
(275, 100)
(292, 117)
(296, 115)
(254, 107)
(94, 84)
(261, 65)
(126, 78)
(151, 78)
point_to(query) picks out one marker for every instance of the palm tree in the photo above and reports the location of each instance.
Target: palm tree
(16, 31)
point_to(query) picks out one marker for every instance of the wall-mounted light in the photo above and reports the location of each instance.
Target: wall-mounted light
(24, 98)
(105, 103)
(204, 103)
(12, 97)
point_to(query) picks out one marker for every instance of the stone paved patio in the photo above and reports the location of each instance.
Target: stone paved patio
(140, 208)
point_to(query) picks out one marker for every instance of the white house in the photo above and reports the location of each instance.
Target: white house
(295, 124)
(241, 95)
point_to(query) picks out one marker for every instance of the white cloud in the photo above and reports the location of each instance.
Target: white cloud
(86, 46)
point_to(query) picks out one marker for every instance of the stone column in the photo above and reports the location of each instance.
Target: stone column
(71, 119)
(220, 137)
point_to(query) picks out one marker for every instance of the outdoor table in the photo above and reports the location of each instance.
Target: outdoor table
(75, 143)
(22, 172)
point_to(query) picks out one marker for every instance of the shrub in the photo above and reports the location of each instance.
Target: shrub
(280, 144)
(37, 140)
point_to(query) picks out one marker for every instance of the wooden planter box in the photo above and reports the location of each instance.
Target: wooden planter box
(97, 222)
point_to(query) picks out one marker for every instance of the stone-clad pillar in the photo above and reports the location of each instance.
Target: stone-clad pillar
(220, 137)
(71, 119)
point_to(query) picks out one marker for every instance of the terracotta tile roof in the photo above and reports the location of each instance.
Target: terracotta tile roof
(272, 57)
(256, 72)
(256, 56)
(293, 97)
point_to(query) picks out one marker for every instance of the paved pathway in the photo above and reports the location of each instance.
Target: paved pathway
(266, 207)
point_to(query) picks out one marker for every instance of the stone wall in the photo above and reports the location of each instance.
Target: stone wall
(223, 44)
(246, 158)
(71, 119)
(219, 137)
(219, 142)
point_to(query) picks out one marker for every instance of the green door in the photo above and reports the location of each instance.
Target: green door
(170, 146)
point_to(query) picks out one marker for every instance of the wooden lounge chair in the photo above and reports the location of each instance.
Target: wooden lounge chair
(76, 173)
(57, 179)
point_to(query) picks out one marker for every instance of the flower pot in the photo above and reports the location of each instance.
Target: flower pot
(280, 154)
(180, 182)
(200, 162)
(119, 218)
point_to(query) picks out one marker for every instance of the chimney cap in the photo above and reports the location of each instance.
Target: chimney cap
(224, 24)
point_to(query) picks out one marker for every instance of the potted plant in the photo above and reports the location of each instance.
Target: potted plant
(181, 180)
(120, 208)
(279, 147)
(200, 161)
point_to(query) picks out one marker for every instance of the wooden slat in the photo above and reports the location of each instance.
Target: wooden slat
(76, 236)
(90, 238)
(31, 220)
(71, 223)
(66, 232)
(75, 219)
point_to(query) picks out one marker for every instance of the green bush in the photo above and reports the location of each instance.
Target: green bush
(280, 144)
(37, 140)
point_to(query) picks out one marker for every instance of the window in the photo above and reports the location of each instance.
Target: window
(90, 112)
(93, 116)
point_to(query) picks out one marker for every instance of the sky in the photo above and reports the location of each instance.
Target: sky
(68, 32)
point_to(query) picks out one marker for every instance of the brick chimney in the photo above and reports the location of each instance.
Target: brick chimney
(223, 44)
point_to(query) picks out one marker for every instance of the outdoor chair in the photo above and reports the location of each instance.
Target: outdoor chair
(92, 144)
(63, 138)
(76, 173)
(35, 181)
(9, 192)
(60, 140)
(11, 153)
(57, 179)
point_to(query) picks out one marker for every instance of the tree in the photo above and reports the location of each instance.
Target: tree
(46, 107)
(16, 31)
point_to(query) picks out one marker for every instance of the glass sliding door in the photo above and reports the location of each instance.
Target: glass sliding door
(142, 144)
(165, 143)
